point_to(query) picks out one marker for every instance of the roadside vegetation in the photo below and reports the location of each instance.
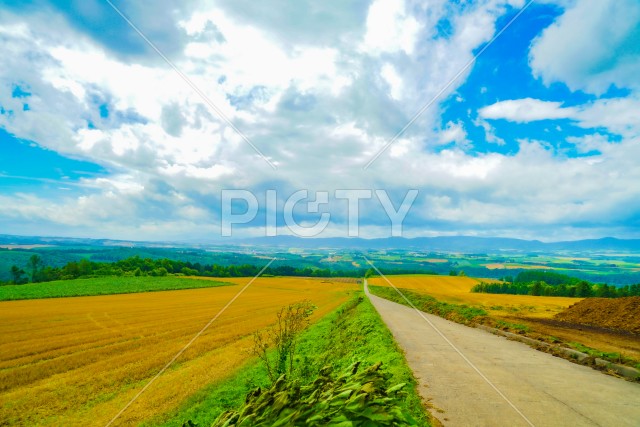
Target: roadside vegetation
(460, 313)
(326, 359)
(615, 357)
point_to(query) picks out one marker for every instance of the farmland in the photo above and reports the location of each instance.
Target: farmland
(456, 289)
(534, 314)
(68, 360)
(101, 286)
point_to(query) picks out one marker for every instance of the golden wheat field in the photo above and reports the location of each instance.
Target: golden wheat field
(78, 361)
(456, 289)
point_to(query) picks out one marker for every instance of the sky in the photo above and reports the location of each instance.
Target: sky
(129, 120)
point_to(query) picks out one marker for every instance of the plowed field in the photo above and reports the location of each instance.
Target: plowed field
(78, 361)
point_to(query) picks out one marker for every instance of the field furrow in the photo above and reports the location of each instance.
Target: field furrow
(72, 361)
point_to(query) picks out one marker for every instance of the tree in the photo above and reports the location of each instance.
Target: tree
(85, 268)
(35, 264)
(536, 289)
(561, 290)
(17, 275)
(189, 271)
(160, 272)
(71, 270)
(583, 290)
(603, 291)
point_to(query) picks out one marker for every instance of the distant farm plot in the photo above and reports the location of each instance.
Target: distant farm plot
(518, 267)
(101, 286)
(78, 361)
(436, 260)
(456, 289)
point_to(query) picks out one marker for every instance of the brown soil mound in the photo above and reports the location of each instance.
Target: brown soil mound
(614, 313)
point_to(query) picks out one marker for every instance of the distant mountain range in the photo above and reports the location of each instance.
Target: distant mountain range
(465, 244)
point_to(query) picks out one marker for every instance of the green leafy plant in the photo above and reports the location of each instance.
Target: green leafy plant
(518, 327)
(354, 398)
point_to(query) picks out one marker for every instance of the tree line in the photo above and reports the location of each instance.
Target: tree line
(540, 283)
(36, 271)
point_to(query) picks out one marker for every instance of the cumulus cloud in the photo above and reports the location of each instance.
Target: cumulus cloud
(526, 110)
(616, 115)
(319, 95)
(454, 132)
(592, 46)
(390, 28)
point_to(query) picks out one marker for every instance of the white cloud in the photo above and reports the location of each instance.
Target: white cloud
(617, 115)
(592, 46)
(390, 28)
(489, 132)
(591, 143)
(454, 132)
(393, 79)
(526, 110)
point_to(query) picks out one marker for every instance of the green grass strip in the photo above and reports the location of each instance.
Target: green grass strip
(354, 332)
(101, 286)
(460, 313)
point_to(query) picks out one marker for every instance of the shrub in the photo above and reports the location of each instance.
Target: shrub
(354, 398)
(283, 337)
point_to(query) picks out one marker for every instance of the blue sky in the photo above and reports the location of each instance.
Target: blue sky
(538, 138)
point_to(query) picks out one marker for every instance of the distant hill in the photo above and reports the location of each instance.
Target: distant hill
(464, 244)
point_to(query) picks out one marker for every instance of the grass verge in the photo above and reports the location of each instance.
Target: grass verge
(613, 357)
(459, 313)
(101, 286)
(352, 333)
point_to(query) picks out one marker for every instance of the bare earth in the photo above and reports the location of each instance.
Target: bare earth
(546, 390)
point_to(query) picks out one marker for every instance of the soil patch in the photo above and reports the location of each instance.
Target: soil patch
(621, 314)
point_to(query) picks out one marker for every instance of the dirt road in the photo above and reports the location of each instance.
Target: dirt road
(474, 378)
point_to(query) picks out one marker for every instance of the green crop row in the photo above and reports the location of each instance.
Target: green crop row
(101, 286)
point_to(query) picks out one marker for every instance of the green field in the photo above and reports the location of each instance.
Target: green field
(101, 286)
(354, 332)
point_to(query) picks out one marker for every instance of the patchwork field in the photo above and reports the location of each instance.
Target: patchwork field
(533, 313)
(456, 289)
(78, 361)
